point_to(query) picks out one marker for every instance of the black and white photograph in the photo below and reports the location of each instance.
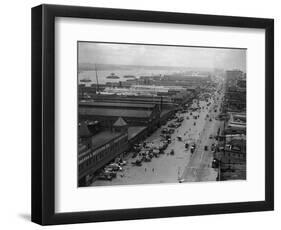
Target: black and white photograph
(150, 114)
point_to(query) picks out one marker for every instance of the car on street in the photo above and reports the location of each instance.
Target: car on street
(104, 176)
(114, 167)
(164, 130)
(181, 180)
(215, 163)
(122, 162)
(180, 119)
(137, 162)
(110, 173)
(170, 131)
(192, 148)
(147, 158)
(165, 145)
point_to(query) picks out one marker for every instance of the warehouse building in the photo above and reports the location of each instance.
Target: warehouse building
(163, 102)
(98, 150)
(237, 124)
(107, 117)
(107, 113)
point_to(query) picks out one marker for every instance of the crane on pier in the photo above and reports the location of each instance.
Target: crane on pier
(97, 78)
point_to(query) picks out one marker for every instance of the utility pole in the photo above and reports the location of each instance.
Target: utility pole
(161, 106)
(97, 88)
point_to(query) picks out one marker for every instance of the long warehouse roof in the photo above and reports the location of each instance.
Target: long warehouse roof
(114, 112)
(116, 104)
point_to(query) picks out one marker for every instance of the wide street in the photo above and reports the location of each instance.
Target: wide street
(199, 166)
(182, 166)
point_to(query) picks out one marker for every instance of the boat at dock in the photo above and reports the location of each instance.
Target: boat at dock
(129, 76)
(112, 76)
(85, 80)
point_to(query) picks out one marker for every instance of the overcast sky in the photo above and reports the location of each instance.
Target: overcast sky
(149, 55)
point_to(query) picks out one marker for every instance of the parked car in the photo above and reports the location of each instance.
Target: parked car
(180, 119)
(122, 162)
(147, 158)
(165, 145)
(181, 180)
(110, 173)
(192, 148)
(171, 125)
(104, 176)
(114, 167)
(179, 138)
(168, 136)
(155, 153)
(177, 125)
(164, 130)
(171, 131)
(215, 163)
(137, 162)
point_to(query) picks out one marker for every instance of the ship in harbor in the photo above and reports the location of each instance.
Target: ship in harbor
(85, 80)
(129, 76)
(112, 76)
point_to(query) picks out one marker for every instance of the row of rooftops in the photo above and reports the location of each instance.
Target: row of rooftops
(236, 145)
(102, 137)
(116, 104)
(134, 100)
(114, 112)
(238, 120)
(118, 109)
(105, 136)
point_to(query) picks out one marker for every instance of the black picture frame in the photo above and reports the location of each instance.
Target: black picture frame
(43, 114)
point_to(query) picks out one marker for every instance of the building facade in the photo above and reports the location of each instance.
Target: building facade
(98, 151)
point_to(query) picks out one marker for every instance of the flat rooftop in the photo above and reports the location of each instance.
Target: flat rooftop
(139, 97)
(135, 130)
(238, 126)
(137, 101)
(164, 112)
(114, 112)
(117, 104)
(103, 137)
